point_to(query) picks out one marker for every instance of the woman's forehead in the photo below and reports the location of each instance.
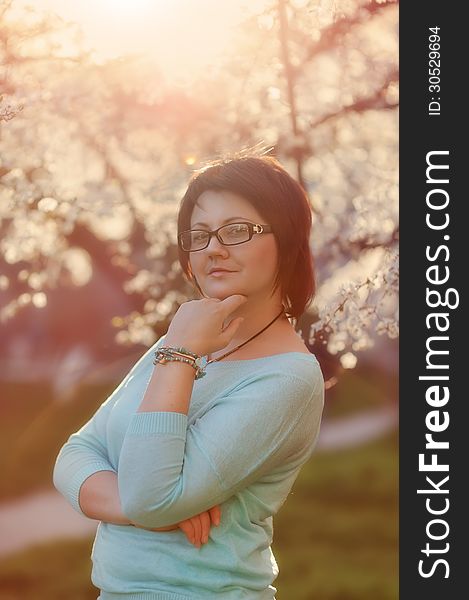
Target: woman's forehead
(213, 206)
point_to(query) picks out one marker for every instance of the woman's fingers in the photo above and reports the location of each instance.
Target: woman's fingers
(187, 527)
(192, 528)
(197, 528)
(205, 523)
(197, 524)
(215, 514)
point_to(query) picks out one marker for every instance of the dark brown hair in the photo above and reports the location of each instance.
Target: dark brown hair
(281, 202)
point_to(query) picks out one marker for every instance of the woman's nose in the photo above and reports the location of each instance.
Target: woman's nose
(215, 245)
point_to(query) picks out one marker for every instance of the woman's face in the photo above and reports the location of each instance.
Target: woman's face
(252, 265)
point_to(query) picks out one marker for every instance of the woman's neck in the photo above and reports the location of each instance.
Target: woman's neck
(254, 322)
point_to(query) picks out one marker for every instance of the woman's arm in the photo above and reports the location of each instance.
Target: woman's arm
(86, 454)
(99, 499)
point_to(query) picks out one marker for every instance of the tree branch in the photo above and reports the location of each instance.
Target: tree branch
(376, 101)
(351, 248)
(332, 34)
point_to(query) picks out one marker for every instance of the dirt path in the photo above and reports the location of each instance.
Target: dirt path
(46, 516)
(39, 518)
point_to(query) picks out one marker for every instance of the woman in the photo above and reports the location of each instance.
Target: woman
(214, 422)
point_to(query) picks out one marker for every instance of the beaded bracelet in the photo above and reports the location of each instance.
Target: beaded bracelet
(173, 352)
(180, 350)
(170, 352)
(167, 355)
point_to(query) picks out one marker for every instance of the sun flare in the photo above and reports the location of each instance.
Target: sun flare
(182, 37)
(129, 7)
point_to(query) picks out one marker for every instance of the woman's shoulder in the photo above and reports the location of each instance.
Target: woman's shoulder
(287, 355)
(296, 365)
(285, 384)
(289, 373)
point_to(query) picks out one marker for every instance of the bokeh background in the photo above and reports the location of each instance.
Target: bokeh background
(107, 107)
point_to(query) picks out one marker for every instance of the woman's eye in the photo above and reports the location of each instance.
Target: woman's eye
(236, 228)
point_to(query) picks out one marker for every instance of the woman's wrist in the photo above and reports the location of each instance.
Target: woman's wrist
(168, 363)
(169, 389)
(180, 354)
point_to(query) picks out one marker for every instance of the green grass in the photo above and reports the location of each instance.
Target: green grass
(21, 405)
(360, 390)
(58, 571)
(33, 427)
(336, 537)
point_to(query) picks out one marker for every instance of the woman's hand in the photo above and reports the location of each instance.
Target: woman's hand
(199, 325)
(196, 528)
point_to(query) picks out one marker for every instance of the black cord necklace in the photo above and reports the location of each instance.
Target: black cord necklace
(244, 343)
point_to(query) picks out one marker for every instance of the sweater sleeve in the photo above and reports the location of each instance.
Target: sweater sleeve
(169, 472)
(85, 451)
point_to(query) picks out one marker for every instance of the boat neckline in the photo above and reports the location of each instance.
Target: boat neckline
(246, 360)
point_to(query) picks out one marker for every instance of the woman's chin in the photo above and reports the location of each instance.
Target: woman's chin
(219, 292)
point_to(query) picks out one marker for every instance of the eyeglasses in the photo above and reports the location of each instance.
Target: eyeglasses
(228, 235)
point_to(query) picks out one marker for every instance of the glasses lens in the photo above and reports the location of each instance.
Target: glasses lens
(234, 233)
(194, 240)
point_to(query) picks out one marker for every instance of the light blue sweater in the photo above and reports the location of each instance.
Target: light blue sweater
(251, 425)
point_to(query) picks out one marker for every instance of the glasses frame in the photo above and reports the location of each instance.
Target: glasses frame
(252, 228)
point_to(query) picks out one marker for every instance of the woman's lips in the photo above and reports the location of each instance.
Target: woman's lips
(220, 273)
